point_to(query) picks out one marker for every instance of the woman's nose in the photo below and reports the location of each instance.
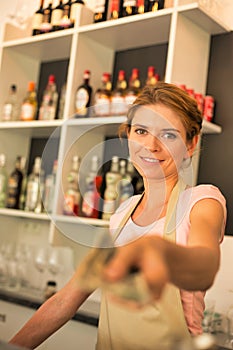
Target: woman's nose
(153, 143)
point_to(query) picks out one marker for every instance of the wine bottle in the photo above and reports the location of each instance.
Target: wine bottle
(37, 19)
(118, 104)
(35, 187)
(75, 6)
(56, 16)
(11, 105)
(115, 9)
(72, 195)
(14, 184)
(102, 98)
(152, 77)
(29, 105)
(129, 8)
(111, 192)
(100, 10)
(48, 106)
(46, 25)
(134, 87)
(83, 96)
(65, 20)
(3, 181)
(155, 5)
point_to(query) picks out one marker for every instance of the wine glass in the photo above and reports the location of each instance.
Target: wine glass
(55, 265)
(40, 262)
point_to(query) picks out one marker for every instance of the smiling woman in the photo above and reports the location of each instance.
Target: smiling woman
(168, 236)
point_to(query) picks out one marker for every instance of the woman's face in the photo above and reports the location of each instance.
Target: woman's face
(157, 142)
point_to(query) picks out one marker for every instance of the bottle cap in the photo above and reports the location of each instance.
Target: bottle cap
(51, 78)
(31, 86)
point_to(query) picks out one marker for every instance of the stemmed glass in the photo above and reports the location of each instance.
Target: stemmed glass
(40, 262)
(20, 15)
(55, 265)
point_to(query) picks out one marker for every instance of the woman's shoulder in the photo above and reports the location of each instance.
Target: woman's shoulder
(205, 191)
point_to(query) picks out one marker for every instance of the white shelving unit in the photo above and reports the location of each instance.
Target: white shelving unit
(186, 29)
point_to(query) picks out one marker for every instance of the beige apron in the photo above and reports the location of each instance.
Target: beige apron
(157, 325)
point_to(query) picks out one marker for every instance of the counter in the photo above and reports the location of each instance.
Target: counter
(88, 312)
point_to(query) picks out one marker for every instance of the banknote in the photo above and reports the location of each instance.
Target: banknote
(132, 287)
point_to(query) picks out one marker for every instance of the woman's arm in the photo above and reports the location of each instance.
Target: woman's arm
(51, 316)
(192, 267)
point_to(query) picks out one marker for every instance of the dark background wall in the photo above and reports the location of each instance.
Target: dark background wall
(216, 162)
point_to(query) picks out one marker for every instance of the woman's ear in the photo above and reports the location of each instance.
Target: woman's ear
(192, 145)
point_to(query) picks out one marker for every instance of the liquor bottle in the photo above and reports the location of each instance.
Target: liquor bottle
(83, 96)
(112, 189)
(35, 187)
(72, 194)
(23, 192)
(65, 20)
(29, 105)
(11, 105)
(134, 87)
(115, 9)
(49, 191)
(14, 184)
(152, 77)
(118, 104)
(48, 106)
(46, 25)
(56, 16)
(3, 181)
(126, 186)
(37, 19)
(75, 6)
(141, 6)
(62, 102)
(102, 100)
(129, 8)
(91, 197)
(100, 10)
(155, 5)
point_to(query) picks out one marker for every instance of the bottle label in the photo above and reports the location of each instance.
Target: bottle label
(102, 106)
(82, 98)
(56, 17)
(88, 203)
(75, 8)
(118, 105)
(99, 6)
(27, 112)
(32, 194)
(130, 3)
(129, 99)
(37, 20)
(7, 111)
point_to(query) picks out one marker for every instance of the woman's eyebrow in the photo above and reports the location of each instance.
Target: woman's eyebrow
(136, 125)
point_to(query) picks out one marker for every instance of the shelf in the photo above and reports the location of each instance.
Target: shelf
(199, 15)
(80, 220)
(210, 128)
(24, 214)
(136, 31)
(33, 128)
(43, 47)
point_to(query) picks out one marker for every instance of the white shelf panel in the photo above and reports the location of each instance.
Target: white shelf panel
(199, 15)
(31, 128)
(47, 47)
(24, 214)
(80, 220)
(210, 128)
(131, 32)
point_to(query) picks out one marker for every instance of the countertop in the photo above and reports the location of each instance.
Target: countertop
(88, 312)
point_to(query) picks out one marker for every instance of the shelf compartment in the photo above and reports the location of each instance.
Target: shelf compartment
(23, 214)
(43, 47)
(199, 15)
(136, 31)
(87, 232)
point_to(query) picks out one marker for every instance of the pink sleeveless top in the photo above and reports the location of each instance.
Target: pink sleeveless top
(192, 302)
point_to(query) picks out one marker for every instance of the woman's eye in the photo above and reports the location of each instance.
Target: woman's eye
(168, 136)
(140, 131)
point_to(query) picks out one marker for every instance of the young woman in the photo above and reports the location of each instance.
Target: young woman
(170, 233)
